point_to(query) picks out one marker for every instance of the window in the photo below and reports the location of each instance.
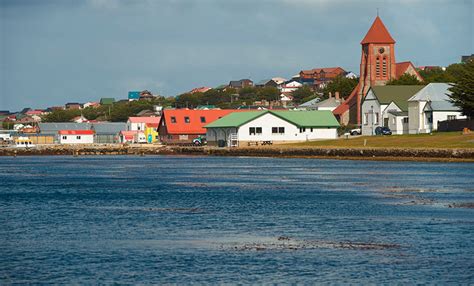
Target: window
(251, 130)
(170, 137)
(384, 67)
(173, 119)
(64, 137)
(366, 118)
(311, 129)
(138, 127)
(376, 119)
(258, 130)
(186, 119)
(78, 137)
(302, 129)
(405, 119)
(450, 117)
(203, 119)
(377, 67)
(278, 130)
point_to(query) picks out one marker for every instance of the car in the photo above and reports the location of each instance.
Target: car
(199, 141)
(383, 131)
(355, 131)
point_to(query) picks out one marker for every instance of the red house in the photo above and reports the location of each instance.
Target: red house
(181, 126)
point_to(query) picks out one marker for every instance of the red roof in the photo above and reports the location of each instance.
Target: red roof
(343, 107)
(378, 34)
(147, 120)
(34, 112)
(76, 132)
(152, 125)
(195, 125)
(128, 135)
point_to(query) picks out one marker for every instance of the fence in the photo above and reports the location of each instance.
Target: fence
(455, 125)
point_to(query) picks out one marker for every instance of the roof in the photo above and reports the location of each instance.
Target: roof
(144, 119)
(311, 102)
(378, 34)
(76, 132)
(399, 94)
(99, 128)
(195, 126)
(399, 113)
(441, 106)
(263, 81)
(432, 92)
(401, 68)
(330, 102)
(107, 100)
(299, 118)
(345, 105)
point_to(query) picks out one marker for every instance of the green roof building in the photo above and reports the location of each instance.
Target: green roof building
(244, 128)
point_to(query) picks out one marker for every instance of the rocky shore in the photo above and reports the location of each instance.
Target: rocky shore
(392, 154)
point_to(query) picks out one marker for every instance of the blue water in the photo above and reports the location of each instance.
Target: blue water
(166, 219)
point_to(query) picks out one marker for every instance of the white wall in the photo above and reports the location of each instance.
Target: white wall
(371, 107)
(76, 139)
(443, 115)
(135, 126)
(266, 122)
(417, 122)
(396, 125)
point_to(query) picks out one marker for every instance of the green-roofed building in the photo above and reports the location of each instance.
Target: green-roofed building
(107, 101)
(387, 106)
(271, 127)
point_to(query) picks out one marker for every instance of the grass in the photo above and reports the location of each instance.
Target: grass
(436, 140)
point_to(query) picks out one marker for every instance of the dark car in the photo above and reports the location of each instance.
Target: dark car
(383, 131)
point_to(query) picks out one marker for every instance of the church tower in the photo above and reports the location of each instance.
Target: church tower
(377, 63)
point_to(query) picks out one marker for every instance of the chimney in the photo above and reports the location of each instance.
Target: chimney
(330, 94)
(337, 95)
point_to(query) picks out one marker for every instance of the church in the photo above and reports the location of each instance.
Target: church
(377, 66)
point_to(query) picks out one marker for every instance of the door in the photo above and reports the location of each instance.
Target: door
(385, 122)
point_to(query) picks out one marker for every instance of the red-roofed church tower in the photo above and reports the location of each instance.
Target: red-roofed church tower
(377, 63)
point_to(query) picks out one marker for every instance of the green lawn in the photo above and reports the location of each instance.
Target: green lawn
(437, 140)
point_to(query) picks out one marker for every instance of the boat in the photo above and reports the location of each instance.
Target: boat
(24, 142)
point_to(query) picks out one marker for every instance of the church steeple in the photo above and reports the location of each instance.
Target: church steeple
(378, 34)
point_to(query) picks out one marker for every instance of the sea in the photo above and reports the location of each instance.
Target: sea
(234, 220)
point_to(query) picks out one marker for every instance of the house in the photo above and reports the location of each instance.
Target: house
(238, 84)
(146, 95)
(133, 95)
(73, 105)
(76, 136)
(92, 104)
(275, 82)
(105, 132)
(151, 132)
(243, 128)
(146, 113)
(328, 104)
(465, 59)
(181, 126)
(380, 101)
(80, 119)
(290, 86)
(128, 136)
(202, 89)
(139, 123)
(321, 76)
(107, 101)
(430, 105)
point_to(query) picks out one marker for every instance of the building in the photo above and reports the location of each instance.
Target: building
(238, 84)
(73, 105)
(429, 106)
(139, 123)
(107, 101)
(384, 103)
(202, 89)
(328, 104)
(133, 95)
(271, 127)
(104, 132)
(321, 76)
(290, 86)
(181, 126)
(92, 104)
(377, 66)
(76, 136)
(465, 59)
(275, 82)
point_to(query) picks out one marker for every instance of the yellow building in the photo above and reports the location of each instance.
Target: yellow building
(151, 132)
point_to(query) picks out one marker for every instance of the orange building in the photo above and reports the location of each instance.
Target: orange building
(377, 66)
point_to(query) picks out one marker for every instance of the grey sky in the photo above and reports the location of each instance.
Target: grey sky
(58, 51)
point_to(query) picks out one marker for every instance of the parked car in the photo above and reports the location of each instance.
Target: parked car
(356, 131)
(201, 140)
(383, 131)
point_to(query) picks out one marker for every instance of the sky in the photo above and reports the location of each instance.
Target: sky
(58, 51)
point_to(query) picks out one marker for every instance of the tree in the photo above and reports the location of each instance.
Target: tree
(462, 92)
(301, 93)
(268, 93)
(436, 75)
(343, 85)
(61, 115)
(405, 79)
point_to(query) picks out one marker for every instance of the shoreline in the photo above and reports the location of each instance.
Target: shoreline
(371, 154)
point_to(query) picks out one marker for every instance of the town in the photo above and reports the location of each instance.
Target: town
(386, 98)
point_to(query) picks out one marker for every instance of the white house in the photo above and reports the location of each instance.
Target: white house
(265, 127)
(76, 136)
(139, 123)
(382, 103)
(290, 86)
(430, 105)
